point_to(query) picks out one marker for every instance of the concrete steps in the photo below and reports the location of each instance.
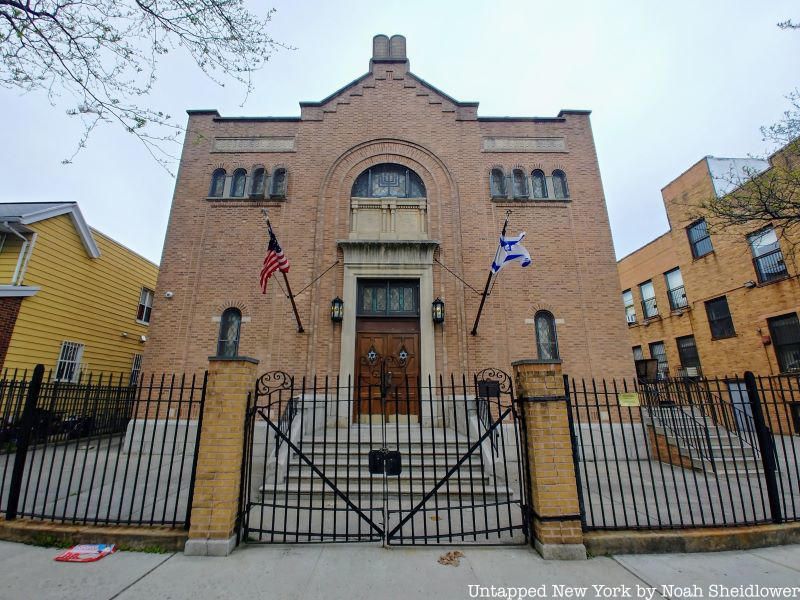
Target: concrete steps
(426, 457)
(708, 447)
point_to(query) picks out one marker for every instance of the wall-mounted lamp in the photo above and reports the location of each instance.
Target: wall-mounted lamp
(750, 284)
(337, 310)
(438, 310)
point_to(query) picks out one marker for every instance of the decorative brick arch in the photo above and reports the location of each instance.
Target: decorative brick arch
(338, 181)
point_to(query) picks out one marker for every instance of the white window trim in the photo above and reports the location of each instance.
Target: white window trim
(152, 299)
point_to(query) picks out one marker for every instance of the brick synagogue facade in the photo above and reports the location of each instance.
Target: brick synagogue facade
(389, 194)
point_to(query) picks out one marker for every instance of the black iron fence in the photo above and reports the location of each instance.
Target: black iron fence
(693, 452)
(393, 458)
(99, 450)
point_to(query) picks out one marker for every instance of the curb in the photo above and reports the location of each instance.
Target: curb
(152, 539)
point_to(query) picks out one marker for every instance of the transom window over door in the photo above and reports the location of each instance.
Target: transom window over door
(388, 298)
(388, 180)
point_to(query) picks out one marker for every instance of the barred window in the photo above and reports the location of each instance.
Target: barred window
(217, 184)
(229, 325)
(68, 367)
(145, 306)
(699, 240)
(687, 351)
(546, 340)
(637, 353)
(785, 333)
(136, 369)
(659, 352)
(539, 184)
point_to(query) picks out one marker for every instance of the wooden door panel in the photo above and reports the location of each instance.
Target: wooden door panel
(403, 396)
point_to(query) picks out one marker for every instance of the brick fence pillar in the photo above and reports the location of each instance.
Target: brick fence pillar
(555, 510)
(219, 463)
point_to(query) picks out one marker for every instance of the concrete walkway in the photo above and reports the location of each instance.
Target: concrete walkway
(356, 572)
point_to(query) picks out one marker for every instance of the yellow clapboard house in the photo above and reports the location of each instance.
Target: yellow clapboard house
(71, 298)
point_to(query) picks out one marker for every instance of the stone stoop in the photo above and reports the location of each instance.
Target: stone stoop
(426, 458)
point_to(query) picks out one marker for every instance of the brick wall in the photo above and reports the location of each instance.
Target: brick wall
(723, 272)
(213, 249)
(9, 309)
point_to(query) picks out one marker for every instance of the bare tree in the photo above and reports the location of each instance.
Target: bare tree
(104, 55)
(771, 197)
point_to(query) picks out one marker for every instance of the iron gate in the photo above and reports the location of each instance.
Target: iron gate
(389, 459)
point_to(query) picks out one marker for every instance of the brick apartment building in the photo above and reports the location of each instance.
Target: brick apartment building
(372, 192)
(712, 303)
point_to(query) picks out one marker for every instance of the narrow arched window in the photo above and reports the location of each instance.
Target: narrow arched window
(497, 183)
(228, 342)
(238, 183)
(520, 184)
(257, 186)
(539, 184)
(546, 341)
(217, 184)
(560, 188)
(278, 188)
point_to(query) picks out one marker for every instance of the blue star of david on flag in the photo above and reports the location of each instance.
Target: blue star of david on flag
(510, 250)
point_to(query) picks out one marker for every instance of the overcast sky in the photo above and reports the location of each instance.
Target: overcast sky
(667, 83)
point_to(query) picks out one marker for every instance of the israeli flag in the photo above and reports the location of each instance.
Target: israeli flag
(510, 250)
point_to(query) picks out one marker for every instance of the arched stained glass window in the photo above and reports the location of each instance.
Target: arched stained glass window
(520, 184)
(278, 188)
(560, 184)
(257, 186)
(228, 341)
(388, 180)
(546, 341)
(539, 184)
(497, 183)
(238, 183)
(217, 184)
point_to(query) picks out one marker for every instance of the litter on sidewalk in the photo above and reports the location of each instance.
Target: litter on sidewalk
(86, 553)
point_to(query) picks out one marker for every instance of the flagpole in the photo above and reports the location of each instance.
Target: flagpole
(294, 306)
(288, 286)
(488, 281)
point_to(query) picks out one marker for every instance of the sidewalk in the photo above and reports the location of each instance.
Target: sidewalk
(356, 572)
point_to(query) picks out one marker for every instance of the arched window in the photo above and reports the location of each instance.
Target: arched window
(278, 188)
(388, 180)
(560, 184)
(546, 340)
(238, 183)
(539, 184)
(520, 184)
(497, 183)
(217, 184)
(257, 186)
(228, 342)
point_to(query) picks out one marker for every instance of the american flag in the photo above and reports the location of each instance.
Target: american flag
(273, 261)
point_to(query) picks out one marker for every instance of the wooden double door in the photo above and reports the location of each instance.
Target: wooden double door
(387, 368)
